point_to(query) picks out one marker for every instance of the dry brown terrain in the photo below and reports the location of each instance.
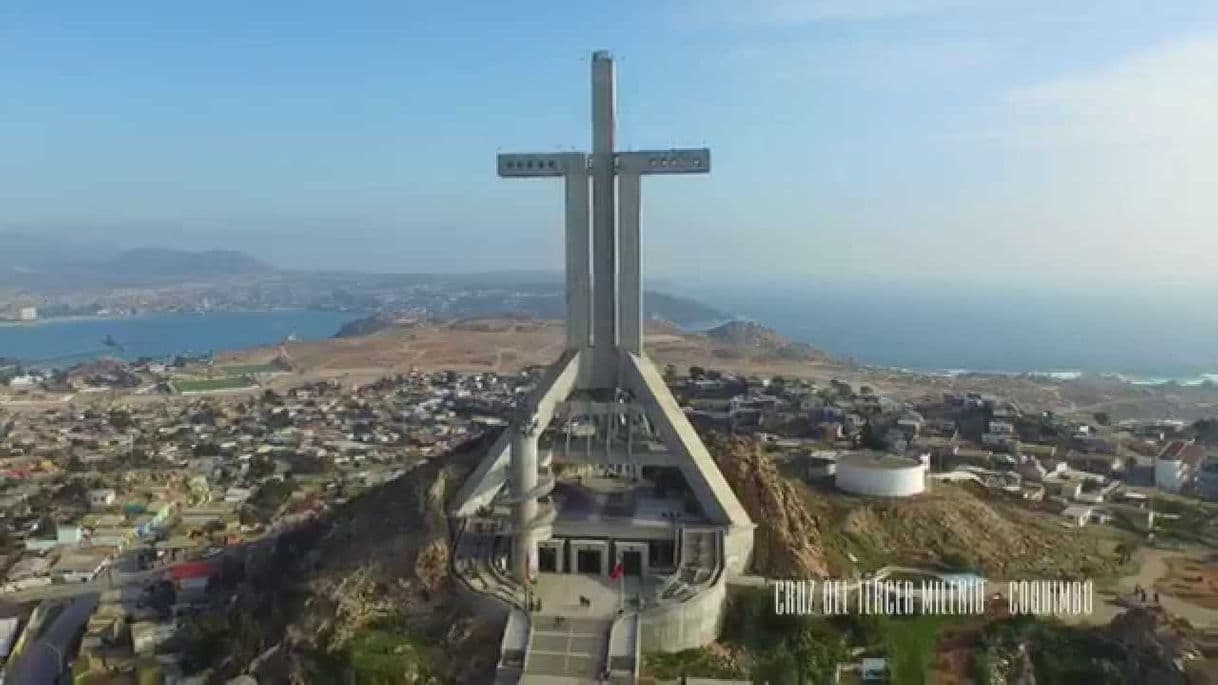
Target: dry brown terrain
(1193, 580)
(812, 531)
(508, 345)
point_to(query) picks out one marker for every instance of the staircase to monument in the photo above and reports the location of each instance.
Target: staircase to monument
(566, 650)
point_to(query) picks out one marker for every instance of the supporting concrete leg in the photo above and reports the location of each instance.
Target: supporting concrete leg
(524, 479)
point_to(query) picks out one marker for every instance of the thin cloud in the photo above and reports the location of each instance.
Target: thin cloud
(797, 12)
(1167, 93)
(1122, 159)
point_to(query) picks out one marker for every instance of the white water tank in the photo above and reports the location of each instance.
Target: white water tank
(880, 475)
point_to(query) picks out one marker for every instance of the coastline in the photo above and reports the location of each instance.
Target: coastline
(1196, 380)
(76, 318)
(1188, 379)
(63, 342)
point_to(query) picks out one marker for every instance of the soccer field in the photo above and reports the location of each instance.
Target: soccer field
(186, 386)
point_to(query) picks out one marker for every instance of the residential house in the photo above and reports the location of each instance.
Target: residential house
(69, 534)
(1077, 515)
(147, 636)
(1177, 464)
(102, 498)
(82, 566)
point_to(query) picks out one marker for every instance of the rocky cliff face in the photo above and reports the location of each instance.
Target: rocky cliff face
(787, 541)
(1159, 641)
(369, 584)
(387, 552)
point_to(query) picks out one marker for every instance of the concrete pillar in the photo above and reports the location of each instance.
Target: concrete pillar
(630, 272)
(579, 275)
(524, 479)
(604, 225)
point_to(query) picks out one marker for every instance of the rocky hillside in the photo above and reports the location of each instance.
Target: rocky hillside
(371, 599)
(951, 526)
(807, 531)
(1160, 641)
(787, 542)
(1140, 645)
(383, 565)
(509, 304)
(754, 340)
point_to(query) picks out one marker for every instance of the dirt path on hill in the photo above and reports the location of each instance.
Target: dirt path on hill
(1152, 568)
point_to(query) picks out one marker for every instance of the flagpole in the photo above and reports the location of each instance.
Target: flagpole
(619, 574)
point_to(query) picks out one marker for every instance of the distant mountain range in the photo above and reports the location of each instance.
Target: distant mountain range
(39, 263)
(157, 263)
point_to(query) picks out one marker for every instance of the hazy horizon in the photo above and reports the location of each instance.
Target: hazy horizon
(882, 141)
(702, 284)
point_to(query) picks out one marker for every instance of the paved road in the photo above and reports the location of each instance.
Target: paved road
(45, 655)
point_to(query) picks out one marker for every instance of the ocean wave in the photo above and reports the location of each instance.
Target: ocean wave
(1063, 375)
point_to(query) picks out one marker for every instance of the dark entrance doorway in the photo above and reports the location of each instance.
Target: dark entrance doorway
(632, 563)
(547, 560)
(663, 554)
(588, 561)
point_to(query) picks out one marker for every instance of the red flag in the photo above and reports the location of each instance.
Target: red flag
(616, 572)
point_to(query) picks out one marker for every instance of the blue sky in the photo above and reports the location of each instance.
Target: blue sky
(1055, 141)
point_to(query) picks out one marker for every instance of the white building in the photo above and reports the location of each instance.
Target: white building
(8, 635)
(27, 314)
(1077, 515)
(880, 475)
(1177, 463)
(102, 497)
(146, 636)
(69, 535)
(236, 495)
(23, 381)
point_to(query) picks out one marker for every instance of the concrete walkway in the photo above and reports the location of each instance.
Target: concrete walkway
(572, 649)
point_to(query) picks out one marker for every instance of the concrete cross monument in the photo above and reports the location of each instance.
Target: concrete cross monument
(604, 305)
(603, 387)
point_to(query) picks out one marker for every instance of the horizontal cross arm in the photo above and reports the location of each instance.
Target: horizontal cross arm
(528, 165)
(688, 161)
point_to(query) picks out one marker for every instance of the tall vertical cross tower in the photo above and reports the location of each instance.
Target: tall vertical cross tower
(605, 301)
(602, 404)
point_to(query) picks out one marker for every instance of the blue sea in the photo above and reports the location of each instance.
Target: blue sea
(1139, 334)
(62, 342)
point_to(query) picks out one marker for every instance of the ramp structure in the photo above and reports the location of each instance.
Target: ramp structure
(601, 472)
